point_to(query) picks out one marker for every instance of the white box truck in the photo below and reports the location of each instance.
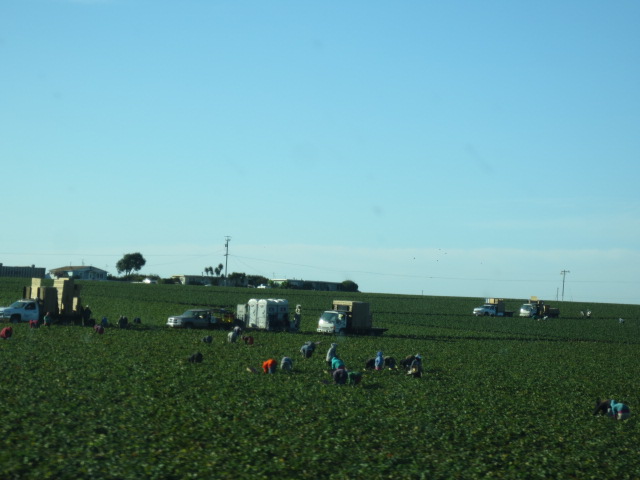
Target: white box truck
(265, 314)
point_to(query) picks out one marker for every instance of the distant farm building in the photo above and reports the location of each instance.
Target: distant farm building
(192, 279)
(79, 273)
(23, 272)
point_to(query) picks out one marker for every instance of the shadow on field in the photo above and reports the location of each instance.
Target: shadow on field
(112, 328)
(510, 338)
(371, 386)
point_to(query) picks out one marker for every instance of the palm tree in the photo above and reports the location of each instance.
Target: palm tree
(218, 270)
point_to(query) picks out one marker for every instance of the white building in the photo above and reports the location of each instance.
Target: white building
(79, 273)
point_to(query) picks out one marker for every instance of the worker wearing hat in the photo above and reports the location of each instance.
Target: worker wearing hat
(415, 369)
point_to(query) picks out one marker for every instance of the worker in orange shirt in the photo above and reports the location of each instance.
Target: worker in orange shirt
(269, 366)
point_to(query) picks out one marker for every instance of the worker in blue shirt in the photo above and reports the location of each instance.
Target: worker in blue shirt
(613, 409)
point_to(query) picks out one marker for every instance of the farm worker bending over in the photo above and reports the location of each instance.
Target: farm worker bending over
(415, 369)
(331, 353)
(248, 340)
(47, 319)
(104, 322)
(612, 409)
(407, 361)
(307, 349)
(286, 364)
(269, 366)
(340, 376)
(237, 329)
(195, 358)
(123, 322)
(379, 363)
(337, 363)
(6, 333)
(390, 362)
(232, 336)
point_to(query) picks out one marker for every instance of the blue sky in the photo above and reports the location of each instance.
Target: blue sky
(439, 148)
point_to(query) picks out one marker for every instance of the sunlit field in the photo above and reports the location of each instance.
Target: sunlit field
(500, 398)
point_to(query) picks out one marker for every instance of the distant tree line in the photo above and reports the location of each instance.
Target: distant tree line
(346, 286)
(131, 263)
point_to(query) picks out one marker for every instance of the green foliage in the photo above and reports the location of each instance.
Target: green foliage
(238, 279)
(349, 286)
(256, 280)
(131, 262)
(501, 397)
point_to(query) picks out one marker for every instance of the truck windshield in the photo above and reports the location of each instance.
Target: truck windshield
(19, 304)
(329, 317)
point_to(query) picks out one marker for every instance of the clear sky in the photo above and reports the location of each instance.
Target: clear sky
(459, 148)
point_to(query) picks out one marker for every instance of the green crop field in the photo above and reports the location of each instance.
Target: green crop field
(500, 398)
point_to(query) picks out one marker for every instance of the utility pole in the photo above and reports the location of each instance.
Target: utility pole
(226, 258)
(564, 274)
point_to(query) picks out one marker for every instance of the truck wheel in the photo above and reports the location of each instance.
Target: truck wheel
(486, 314)
(188, 325)
(15, 318)
(342, 332)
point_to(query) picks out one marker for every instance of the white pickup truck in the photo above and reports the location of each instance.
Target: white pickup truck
(537, 308)
(22, 311)
(202, 318)
(492, 309)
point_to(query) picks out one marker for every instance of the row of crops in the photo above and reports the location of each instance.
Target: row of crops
(501, 398)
